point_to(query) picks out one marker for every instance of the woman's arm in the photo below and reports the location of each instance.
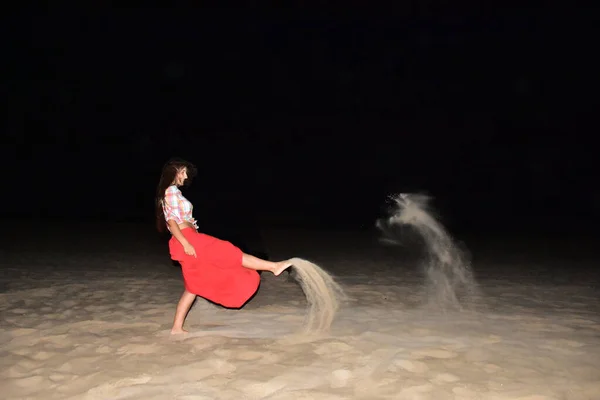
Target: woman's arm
(176, 232)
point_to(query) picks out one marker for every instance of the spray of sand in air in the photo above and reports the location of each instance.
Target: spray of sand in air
(449, 278)
(323, 295)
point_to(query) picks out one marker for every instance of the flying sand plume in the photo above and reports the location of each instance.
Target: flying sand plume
(322, 292)
(449, 277)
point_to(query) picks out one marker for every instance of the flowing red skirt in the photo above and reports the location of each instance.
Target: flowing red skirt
(216, 273)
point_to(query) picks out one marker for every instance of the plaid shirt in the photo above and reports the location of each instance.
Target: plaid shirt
(176, 207)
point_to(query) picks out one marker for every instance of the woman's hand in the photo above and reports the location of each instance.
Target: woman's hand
(189, 250)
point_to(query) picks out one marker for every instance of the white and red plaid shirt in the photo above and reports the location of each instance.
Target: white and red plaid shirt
(177, 208)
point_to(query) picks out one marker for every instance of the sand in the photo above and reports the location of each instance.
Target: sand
(323, 295)
(91, 321)
(449, 282)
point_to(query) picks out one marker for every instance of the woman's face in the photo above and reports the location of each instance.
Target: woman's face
(181, 176)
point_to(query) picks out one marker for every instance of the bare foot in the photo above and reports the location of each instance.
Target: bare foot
(178, 331)
(281, 266)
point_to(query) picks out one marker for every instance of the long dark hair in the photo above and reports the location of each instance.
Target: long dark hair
(169, 172)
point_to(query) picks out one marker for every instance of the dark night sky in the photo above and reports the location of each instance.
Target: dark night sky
(322, 116)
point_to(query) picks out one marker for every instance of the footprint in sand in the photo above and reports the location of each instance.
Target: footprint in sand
(568, 343)
(477, 355)
(259, 390)
(248, 355)
(42, 355)
(340, 378)
(560, 349)
(140, 380)
(58, 378)
(22, 369)
(24, 351)
(333, 347)
(256, 389)
(433, 353)
(46, 324)
(128, 305)
(465, 393)
(414, 366)
(81, 365)
(57, 342)
(420, 332)
(205, 342)
(269, 358)
(542, 327)
(579, 321)
(491, 368)
(125, 386)
(223, 353)
(492, 339)
(415, 392)
(105, 350)
(443, 378)
(22, 332)
(153, 312)
(99, 308)
(199, 370)
(139, 349)
(290, 318)
(29, 382)
(68, 303)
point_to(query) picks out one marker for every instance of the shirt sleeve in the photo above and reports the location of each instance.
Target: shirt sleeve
(172, 206)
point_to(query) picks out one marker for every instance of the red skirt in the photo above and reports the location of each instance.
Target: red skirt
(216, 273)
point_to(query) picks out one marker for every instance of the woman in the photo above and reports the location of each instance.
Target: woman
(212, 268)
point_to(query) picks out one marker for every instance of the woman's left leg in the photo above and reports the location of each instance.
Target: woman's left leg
(183, 307)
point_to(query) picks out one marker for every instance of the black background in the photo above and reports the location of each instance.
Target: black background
(302, 118)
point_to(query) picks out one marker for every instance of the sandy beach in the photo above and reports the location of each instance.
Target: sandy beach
(86, 315)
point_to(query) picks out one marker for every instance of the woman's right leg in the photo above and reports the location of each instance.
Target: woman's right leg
(258, 264)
